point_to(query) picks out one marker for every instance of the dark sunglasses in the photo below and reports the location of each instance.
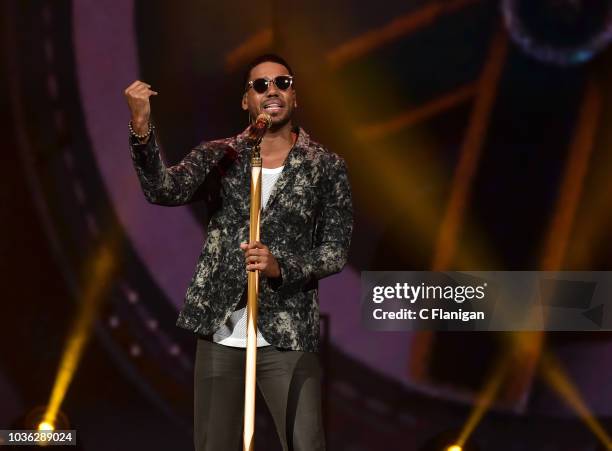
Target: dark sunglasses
(260, 85)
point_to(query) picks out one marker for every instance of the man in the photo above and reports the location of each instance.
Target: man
(306, 225)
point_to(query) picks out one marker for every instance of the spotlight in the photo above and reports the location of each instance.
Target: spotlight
(38, 419)
(447, 441)
(46, 426)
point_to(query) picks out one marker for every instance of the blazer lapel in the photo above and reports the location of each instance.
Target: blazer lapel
(292, 164)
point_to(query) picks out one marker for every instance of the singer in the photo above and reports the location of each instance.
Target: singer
(306, 226)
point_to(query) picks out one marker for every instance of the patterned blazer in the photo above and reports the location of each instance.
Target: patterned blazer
(307, 224)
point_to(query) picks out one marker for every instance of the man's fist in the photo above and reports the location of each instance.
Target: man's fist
(137, 95)
(258, 256)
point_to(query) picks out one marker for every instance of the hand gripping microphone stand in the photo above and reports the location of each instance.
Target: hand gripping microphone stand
(256, 133)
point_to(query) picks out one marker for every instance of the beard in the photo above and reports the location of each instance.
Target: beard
(278, 123)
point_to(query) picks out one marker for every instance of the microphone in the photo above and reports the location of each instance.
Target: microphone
(258, 129)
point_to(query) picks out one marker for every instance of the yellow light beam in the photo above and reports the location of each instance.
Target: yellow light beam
(416, 115)
(594, 222)
(573, 181)
(250, 48)
(445, 247)
(399, 27)
(470, 153)
(483, 402)
(97, 280)
(554, 374)
(561, 228)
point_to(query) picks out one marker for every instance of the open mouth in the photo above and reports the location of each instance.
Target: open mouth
(272, 107)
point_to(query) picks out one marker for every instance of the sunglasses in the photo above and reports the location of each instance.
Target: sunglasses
(260, 85)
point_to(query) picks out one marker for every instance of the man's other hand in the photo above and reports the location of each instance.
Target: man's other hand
(258, 257)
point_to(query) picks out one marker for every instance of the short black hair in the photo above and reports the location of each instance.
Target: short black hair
(267, 57)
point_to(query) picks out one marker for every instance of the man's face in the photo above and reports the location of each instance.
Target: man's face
(277, 103)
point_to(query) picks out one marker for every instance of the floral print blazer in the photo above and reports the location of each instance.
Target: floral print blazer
(307, 224)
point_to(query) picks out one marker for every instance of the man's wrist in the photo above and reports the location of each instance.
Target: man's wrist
(140, 125)
(141, 138)
(277, 270)
(276, 280)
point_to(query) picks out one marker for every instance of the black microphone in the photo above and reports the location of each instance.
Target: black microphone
(258, 129)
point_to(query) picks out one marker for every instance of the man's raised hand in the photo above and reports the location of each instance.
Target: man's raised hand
(137, 96)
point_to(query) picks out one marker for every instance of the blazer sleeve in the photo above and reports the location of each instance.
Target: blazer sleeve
(169, 186)
(332, 237)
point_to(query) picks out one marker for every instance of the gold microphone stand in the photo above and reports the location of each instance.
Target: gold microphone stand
(251, 308)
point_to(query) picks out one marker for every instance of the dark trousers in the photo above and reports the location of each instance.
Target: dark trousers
(290, 382)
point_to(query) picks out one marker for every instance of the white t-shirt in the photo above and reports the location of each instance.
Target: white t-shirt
(233, 332)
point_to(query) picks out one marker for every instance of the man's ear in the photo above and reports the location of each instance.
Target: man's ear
(245, 105)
